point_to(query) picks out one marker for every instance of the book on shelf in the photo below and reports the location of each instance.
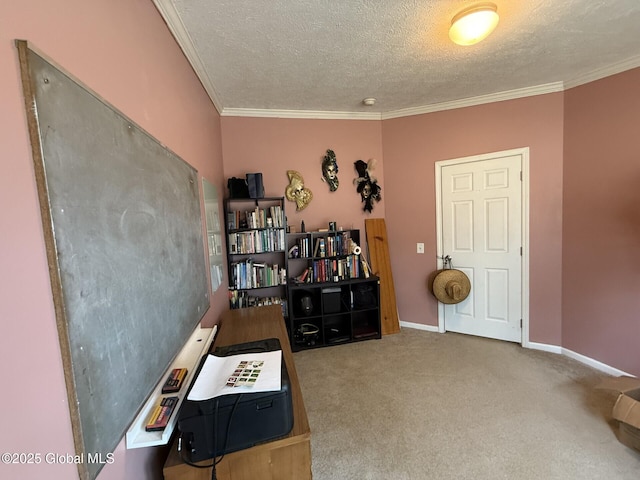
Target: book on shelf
(304, 247)
(249, 274)
(319, 250)
(256, 241)
(366, 271)
(304, 277)
(243, 299)
(231, 220)
(334, 270)
(268, 217)
(276, 216)
(331, 246)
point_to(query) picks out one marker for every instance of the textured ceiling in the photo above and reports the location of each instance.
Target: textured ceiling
(297, 56)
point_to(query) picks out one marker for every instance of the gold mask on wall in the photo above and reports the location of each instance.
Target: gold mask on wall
(296, 191)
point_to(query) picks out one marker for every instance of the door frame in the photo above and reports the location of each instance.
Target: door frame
(524, 154)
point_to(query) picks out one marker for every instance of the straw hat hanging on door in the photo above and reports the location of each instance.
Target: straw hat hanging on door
(450, 285)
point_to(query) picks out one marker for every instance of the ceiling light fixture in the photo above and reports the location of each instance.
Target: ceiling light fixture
(369, 102)
(474, 24)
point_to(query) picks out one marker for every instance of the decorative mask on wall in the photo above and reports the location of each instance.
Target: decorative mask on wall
(366, 185)
(330, 170)
(296, 191)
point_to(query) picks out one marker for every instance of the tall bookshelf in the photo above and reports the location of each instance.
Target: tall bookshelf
(256, 251)
(333, 297)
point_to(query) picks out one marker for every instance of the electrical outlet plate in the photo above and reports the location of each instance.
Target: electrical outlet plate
(420, 247)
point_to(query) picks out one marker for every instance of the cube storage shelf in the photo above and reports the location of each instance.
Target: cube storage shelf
(327, 293)
(331, 298)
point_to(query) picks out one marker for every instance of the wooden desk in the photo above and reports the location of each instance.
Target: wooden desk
(288, 458)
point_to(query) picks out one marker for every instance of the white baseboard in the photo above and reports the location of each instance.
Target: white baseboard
(546, 348)
(580, 358)
(595, 363)
(419, 326)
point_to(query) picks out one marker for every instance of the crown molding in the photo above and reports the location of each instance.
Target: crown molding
(629, 64)
(301, 114)
(480, 100)
(406, 112)
(179, 32)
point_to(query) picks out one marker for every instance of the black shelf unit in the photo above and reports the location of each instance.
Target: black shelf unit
(333, 298)
(255, 231)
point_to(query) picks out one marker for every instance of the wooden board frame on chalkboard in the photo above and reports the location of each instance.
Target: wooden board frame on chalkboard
(128, 277)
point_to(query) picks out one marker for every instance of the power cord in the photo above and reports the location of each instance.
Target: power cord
(215, 436)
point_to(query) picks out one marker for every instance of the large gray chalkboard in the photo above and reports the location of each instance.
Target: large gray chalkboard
(124, 235)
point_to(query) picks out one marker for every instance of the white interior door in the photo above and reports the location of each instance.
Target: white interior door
(481, 230)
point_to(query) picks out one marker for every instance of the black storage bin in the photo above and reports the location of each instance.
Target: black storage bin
(364, 296)
(254, 183)
(238, 188)
(331, 300)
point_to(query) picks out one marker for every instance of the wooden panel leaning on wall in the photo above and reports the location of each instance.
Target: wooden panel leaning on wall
(381, 267)
(288, 458)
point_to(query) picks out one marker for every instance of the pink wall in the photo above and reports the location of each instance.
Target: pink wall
(412, 145)
(122, 50)
(273, 146)
(601, 237)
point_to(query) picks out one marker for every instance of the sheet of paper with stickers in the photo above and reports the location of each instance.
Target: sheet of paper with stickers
(245, 373)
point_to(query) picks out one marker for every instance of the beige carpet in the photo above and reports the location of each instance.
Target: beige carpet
(422, 405)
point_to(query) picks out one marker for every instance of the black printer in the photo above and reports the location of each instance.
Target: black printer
(224, 424)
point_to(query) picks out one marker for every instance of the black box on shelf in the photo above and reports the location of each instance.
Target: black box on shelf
(331, 300)
(364, 296)
(255, 186)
